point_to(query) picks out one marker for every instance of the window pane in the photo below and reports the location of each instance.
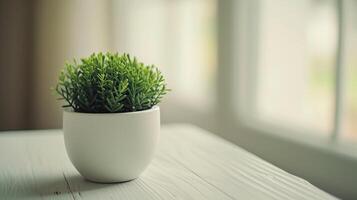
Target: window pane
(349, 128)
(296, 58)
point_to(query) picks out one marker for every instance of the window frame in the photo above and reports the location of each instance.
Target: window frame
(246, 64)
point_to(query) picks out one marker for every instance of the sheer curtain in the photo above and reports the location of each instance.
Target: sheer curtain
(38, 37)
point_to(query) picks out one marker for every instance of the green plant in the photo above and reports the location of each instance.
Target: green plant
(109, 83)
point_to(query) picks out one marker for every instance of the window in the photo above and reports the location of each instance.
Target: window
(304, 76)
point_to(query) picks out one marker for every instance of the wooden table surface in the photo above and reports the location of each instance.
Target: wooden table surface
(190, 163)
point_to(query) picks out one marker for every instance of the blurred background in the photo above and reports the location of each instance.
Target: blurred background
(277, 77)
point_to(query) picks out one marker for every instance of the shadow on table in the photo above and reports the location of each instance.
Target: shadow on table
(61, 185)
(71, 185)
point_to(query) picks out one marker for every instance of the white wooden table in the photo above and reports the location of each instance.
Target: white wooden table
(189, 164)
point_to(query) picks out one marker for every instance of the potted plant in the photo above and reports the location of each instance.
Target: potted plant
(111, 121)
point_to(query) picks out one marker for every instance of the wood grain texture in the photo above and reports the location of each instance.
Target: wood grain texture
(189, 164)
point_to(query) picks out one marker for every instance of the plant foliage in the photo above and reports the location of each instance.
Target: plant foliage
(110, 83)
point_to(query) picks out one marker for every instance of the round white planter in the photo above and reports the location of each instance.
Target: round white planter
(111, 147)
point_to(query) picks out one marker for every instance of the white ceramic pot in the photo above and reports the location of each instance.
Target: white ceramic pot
(111, 147)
